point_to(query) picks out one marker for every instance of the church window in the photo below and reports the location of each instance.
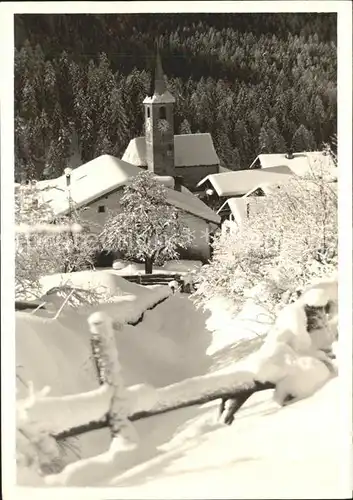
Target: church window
(148, 113)
(162, 113)
(101, 209)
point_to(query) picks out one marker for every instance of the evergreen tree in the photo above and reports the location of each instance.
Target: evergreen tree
(270, 139)
(185, 127)
(234, 77)
(303, 140)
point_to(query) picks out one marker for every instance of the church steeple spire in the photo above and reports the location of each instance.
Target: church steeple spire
(159, 123)
(159, 79)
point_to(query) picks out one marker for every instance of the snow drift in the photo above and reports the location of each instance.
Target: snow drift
(288, 358)
(158, 351)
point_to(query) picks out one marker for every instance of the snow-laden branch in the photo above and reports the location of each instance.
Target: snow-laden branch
(58, 414)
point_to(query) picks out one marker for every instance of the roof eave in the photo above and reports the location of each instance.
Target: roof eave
(253, 163)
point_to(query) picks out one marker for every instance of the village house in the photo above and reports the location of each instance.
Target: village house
(97, 186)
(218, 188)
(188, 157)
(301, 164)
(238, 209)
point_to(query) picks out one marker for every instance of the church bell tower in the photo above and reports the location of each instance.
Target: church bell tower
(159, 124)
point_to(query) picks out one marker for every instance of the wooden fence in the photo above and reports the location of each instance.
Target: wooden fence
(158, 279)
(140, 279)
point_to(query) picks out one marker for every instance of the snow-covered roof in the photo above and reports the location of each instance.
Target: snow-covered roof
(167, 180)
(222, 169)
(302, 163)
(266, 187)
(237, 207)
(188, 202)
(165, 98)
(88, 182)
(242, 181)
(189, 150)
(105, 174)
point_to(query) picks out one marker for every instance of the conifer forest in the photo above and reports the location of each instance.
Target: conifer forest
(261, 83)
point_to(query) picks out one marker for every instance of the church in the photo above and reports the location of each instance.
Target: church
(187, 158)
(176, 162)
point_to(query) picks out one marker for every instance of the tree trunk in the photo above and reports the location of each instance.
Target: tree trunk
(148, 265)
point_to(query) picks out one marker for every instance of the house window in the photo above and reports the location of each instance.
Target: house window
(101, 209)
(148, 113)
(170, 150)
(162, 113)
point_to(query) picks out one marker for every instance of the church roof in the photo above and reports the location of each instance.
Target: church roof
(240, 182)
(189, 150)
(104, 174)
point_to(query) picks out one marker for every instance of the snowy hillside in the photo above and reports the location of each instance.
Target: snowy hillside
(189, 452)
(264, 454)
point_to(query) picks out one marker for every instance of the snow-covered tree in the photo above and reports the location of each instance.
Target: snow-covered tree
(303, 140)
(185, 127)
(44, 247)
(270, 138)
(289, 237)
(147, 228)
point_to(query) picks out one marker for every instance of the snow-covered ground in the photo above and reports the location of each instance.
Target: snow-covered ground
(268, 452)
(229, 327)
(158, 351)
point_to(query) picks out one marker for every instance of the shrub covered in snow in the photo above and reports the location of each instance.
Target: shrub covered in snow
(41, 250)
(37, 451)
(289, 237)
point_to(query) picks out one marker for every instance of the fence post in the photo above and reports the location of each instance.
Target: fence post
(107, 360)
